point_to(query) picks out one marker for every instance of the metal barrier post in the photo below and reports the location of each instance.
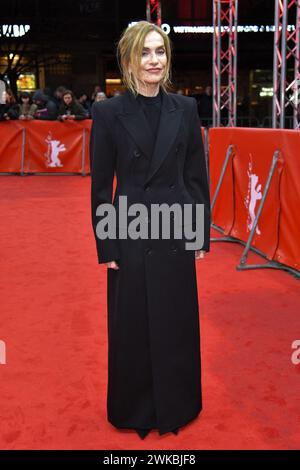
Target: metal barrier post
(229, 154)
(83, 151)
(23, 151)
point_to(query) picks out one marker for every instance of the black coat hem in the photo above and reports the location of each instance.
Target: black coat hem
(163, 430)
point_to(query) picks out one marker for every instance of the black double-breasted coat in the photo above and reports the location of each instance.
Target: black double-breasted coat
(154, 367)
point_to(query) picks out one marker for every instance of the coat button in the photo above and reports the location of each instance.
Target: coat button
(174, 249)
(147, 188)
(172, 186)
(137, 153)
(149, 251)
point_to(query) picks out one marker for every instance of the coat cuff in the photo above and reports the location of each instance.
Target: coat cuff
(107, 251)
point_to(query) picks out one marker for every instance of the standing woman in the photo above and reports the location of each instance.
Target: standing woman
(151, 140)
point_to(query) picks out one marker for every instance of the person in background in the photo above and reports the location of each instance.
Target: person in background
(100, 97)
(97, 89)
(10, 109)
(85, 103)
(57, 97)
(26, 108)
(70, 109)
(46, 109)
(205, 107)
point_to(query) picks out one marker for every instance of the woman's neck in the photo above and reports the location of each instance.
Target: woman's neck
(148, 90)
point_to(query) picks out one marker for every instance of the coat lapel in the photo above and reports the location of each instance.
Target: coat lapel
(135, 122)
(168, 128)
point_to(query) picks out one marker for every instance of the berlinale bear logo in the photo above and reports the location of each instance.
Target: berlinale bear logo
(53, 150)
(254, 195)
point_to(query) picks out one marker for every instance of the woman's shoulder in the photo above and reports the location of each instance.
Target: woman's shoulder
(182, 100)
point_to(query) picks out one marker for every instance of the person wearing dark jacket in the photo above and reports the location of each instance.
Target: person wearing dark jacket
(10, 109)
(205, 107)
(46, 109)
(70, 109)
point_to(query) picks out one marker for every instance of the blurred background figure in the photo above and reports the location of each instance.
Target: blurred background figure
(97, 89)
(27, 108)
(10, 109)
(70, 108)
(46, 108)
(100, 97)
(85, 103)
(58, 94)
(205, 107)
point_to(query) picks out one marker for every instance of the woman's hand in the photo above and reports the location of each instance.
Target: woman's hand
(199, 254)
(112, 265)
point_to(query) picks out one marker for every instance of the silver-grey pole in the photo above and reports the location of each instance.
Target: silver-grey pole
(275, 65)
(214, 64)
(296, 112)
(283, 65)
(23, 150)
(219, 77)
(83, 151)
(235, 62)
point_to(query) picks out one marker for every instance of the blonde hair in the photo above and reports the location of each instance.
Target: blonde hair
(129, 52)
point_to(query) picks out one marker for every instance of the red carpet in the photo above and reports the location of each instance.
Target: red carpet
(53, 321)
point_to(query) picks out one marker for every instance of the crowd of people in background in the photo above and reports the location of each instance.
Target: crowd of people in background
(63, 105)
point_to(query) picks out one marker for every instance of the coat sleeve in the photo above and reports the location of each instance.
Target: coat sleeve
(79, 112)
(195, 172)
(102, 164)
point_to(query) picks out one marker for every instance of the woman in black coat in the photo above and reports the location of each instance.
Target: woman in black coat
(151, 140)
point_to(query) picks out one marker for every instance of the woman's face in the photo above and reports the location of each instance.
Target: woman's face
(154, 60)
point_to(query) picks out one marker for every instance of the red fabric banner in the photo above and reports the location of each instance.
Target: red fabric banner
(277, 234)
(50, 146)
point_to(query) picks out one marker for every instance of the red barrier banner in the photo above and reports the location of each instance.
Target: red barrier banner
(48, 147)
(10, 147)
(288, 251)
(277, 234)
(54, 147)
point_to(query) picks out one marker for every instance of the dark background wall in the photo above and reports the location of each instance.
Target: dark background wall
(82, 34)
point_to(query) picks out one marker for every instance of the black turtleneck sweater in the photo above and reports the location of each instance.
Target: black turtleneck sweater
(151, 106)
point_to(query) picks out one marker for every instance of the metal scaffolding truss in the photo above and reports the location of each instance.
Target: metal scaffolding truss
(225, 17)
(286, 99)
(153, 11)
